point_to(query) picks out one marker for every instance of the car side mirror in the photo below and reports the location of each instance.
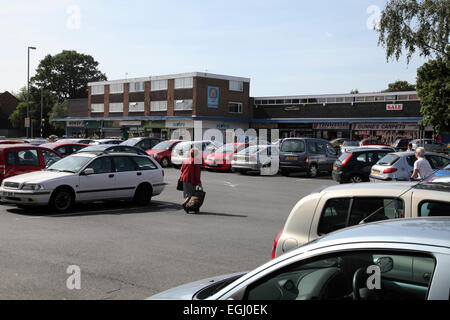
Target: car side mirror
(385, 264)
(88, 171)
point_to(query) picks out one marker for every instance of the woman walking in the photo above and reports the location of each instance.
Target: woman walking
(190, 176)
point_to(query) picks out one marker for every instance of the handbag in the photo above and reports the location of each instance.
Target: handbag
(180, 185)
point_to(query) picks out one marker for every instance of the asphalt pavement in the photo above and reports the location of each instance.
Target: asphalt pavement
(129, 252)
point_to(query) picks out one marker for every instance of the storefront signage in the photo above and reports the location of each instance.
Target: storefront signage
(394, 107)
(75, 124)
(386, 126)
(223, 126)
(130, 123)
(213, 97)
(179, 124)
(331, 125)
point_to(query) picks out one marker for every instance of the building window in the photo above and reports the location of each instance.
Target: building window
(370, 99)
(360, 99)
(414, 97)
(339, 100)
(116, 88)
(348, 99)
(184, 83)
(97, 90)
(159, 85)
(379, 98)
(236, 86)
(116, 107)
(137, 86)
(158, 105)
(234, 107)
(331, 100)
(97, 108)
(136, 107)
(390, 98)
(181, 105)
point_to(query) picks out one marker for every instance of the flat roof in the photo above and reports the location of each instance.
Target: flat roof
(172, 76)
(338, 95)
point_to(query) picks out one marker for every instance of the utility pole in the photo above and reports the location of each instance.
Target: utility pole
(42, 111)
(28, 92)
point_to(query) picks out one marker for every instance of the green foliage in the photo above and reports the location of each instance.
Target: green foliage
(433, 87)
(354, 91)
(59, 110)
(400, 86)
(410, 25)
(67, 74)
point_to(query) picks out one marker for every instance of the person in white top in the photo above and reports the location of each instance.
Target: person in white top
(422, 168)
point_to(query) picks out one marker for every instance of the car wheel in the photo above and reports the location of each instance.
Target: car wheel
(312, 171)
(143, 195)
(356, 178)
(62, 200)
(165, 162)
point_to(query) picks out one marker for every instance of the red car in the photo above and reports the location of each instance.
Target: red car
(162, 152)
(222, 157)
(372, 142)
(65, 149)
(17, 159)
(10, 142)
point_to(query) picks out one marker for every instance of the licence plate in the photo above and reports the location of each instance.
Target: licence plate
(8, 194)
(291, 158)
(375, 172)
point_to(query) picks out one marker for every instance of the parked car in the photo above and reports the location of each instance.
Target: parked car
(181, 151)
(87, 177)
(401, 144)
(412, 257)
(76, 140)
(429, 145)
(355, 166)
(337, 143)
(107, 148)
(254, 158)
(162, 152)
(64, 149)
(442, 172)
(308, 155)
(107, 141)
(338, 207)
(221, 158)
(372, 142)
(144, 143)
(400, 165)
(348, 145)
(22, 158)
(11, 142)
(35, 142)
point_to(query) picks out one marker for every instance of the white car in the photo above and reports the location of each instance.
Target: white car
(87, 177)
(181, 151)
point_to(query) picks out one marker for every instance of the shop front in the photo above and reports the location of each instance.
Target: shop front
(75, 128)
(296, 130)
(385, 132)
(93, 128)
(156, 129)
(331, 130)
(180, 129)
(131, 129)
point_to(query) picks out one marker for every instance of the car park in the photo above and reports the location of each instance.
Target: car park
(107, 141)
(372, 142)
(429, 145)
(64, 149)
(162, 152)
(254, 158)
(412, 257)
(18, 159)
(181, 151)
(221, 158)
(145, 143)
(87, 177)
(107, 148)
(355, 165)
(308, 155)
(399, 166)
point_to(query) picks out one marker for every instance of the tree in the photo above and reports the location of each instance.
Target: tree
(400, 86)
(354, 91)
(410, 25)
(433, 87)
(59, 110)
(67, 74)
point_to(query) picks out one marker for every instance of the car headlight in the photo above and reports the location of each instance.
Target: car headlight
(32, 187)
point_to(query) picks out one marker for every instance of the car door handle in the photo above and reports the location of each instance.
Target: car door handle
(111, 176)
(139, 173)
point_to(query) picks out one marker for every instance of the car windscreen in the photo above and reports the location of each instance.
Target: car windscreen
(70, 164)
(350, 143)
(165, 145)
(388, 160)
(95, 147)
(293, 146)
(49, 145)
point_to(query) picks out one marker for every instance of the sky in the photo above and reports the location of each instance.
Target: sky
(285, 47)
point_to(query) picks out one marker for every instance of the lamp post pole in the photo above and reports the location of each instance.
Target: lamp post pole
(28, 91)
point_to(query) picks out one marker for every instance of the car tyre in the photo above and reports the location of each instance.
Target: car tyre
(61, 200)
(143, 195)
(356, 178)
(312, 171)
(165, 162)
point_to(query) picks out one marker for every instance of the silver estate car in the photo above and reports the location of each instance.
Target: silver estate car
(255, 158)
(400, 166)
(412, 258)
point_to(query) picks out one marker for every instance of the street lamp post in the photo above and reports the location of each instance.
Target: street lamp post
(28, 90)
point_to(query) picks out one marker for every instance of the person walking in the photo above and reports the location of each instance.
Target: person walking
(422, 168)
(190, 175)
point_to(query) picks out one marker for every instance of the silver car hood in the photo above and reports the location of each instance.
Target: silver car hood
(38, 176)
(187, 291)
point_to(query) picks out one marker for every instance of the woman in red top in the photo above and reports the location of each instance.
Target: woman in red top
(190, 175)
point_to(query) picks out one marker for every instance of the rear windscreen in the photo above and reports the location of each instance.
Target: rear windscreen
(388, 160)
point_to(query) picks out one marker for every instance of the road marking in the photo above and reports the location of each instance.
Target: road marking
(230, 184)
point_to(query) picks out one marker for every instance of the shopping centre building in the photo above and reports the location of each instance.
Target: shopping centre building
(159, 105)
